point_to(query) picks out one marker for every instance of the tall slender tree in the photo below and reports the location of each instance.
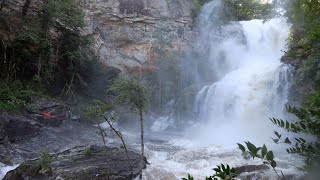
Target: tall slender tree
(132, 93)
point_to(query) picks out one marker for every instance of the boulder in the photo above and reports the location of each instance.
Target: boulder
(82, 162)
(16, 127)
(47, 112)
(251, 168)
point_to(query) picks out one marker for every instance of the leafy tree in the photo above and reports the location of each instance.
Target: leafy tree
(307, 122)
(45, 48)
(132, 93)
(242, 10)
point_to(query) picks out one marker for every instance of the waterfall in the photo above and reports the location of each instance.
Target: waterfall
(252, 83)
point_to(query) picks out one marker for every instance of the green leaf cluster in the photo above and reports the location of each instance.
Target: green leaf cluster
(222, 171)
(242, 10)
(307, 122)
(258, 152)
(130, 92)
(16, 96)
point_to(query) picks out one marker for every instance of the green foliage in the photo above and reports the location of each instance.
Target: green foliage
(304, 40)
(87, 152)
(262, 153)
(242, 10)
(305, 17)
(15, 96)
(307, 122)
(189, 177)
(47, 48)
(95, 110)
(224, 172)
(67, 12)
(44, 161)
(258, 152)
(130, 92)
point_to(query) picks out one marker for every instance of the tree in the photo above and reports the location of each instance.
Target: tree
(132, 93)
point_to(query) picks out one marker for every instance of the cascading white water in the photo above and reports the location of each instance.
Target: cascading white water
(252, 85)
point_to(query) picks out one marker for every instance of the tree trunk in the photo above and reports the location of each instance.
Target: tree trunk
(142, 145)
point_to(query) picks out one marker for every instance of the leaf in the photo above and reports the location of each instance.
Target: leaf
(223, 167)
(270, 156)
(264, 151)
(287, 141)
(302, 140)
(298, 140)
(277, 134)
(282, 123)
(228, 169)
(233, 170)
(303, 126)
(241, 147)
(250, 146)
(273, 164)
(275, 140)
(217, 169)
(287, 125)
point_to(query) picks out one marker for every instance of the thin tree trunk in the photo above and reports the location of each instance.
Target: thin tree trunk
(142, 145)
(119, 134)
(102, 133)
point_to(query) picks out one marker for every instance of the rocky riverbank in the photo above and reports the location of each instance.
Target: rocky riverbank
(83, 162)
(76, 150)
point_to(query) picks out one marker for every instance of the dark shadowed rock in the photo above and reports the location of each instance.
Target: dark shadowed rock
(47, 111)
(15, 127)
(83, 162)
(251, 168)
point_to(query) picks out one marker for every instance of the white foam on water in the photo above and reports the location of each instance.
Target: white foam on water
(4, 169)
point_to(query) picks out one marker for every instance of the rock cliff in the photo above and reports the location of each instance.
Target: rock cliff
(129, 33)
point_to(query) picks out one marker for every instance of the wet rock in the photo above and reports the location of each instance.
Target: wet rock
(16, 128)
(47, 112)
(53, 139)
(83, 162)
(251, 168)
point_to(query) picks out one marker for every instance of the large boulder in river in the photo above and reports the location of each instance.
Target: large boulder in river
(83, 162)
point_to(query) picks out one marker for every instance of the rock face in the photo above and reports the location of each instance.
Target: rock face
(251, 168)
(47, 112)
(14, 128)
(130, 34)
(85, 162)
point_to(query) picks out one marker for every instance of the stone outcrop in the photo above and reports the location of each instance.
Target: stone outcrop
(130, 34)
(81, 163)
(15, 127)
(251, 168)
